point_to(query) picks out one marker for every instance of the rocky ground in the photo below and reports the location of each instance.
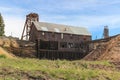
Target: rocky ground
(108, 50)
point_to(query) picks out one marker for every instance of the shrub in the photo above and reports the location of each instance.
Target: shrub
(2, 56)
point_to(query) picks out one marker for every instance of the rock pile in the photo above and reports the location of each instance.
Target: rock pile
(8, 42)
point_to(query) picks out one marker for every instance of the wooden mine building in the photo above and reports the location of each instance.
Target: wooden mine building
(55, 41)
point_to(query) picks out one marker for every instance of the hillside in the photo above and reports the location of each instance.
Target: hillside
(109, 50)
(34, 69)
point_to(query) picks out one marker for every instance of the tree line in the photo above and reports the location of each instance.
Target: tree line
(2, 25)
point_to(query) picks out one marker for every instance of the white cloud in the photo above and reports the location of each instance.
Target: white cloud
(14, 10)
(81, 4)
(13, 26)
(85, 20)
(5, 9)
(14, 20)
(98, 20)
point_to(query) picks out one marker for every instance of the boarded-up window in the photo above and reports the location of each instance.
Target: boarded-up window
(49, 45)
(63, 44)
(70, 45)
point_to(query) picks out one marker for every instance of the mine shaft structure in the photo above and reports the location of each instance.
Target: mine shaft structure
(106, 32)
(30, 18)
(55, 41)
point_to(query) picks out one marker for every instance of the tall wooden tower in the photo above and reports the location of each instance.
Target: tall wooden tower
(32, 17)
(106, 32)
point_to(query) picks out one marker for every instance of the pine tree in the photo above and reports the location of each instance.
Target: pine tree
(2, 25)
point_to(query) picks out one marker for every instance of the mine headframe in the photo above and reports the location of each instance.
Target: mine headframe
(30, 18)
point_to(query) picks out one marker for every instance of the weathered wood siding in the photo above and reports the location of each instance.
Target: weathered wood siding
(59, 45)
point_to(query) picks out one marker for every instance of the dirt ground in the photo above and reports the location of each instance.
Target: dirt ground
(109, 50)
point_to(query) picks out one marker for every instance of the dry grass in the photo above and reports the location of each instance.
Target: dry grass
(21, 69)
(4, 52)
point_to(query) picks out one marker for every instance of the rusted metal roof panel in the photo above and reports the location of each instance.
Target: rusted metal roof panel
(43, 26)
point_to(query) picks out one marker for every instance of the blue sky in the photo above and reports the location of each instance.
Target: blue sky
(92, 14)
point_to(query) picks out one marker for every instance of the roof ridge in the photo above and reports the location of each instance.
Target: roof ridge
(62, 24)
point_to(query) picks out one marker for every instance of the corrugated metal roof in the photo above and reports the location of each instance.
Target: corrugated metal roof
(56, 30)
(43, 26)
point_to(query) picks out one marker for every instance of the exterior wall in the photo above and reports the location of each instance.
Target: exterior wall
(51, 36)
(53, 45)
(73, 42)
